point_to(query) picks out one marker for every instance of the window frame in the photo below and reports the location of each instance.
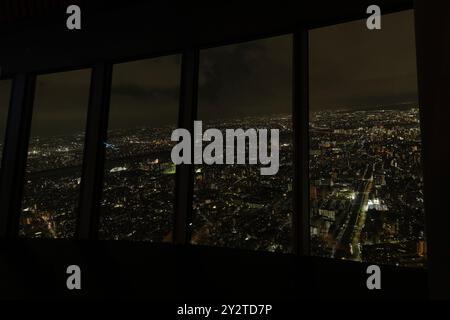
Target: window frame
(7, 113)
(19, 122)
(18, 127)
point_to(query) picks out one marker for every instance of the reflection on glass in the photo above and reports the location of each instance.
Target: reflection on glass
(246, 86)
(55, 153)
(139, 183)
(366, 187)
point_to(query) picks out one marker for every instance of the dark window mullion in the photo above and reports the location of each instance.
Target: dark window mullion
(300, 120)
(185, 172)
(94, 152)
(15, 153)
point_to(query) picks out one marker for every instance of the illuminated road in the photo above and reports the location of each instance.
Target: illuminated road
(347, 244)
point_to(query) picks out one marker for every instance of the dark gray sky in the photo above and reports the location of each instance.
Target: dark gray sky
(145, 93)
(252, 78)
(60, 103)
(350, 66)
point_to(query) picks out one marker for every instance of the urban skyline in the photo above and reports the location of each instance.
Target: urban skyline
(366, 197)
(346, 223)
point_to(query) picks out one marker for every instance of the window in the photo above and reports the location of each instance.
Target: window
(5, 91)
(366, 187)
(55, 153)
(245, 86)
(139, 185)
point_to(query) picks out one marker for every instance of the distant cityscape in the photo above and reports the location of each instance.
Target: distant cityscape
(234, 206)
(139, 185)
(366, 198)
(366, 186)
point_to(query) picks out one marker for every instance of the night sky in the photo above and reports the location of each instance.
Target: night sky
(350, 66)
(60, 103)
(145, 93)
(247, 79)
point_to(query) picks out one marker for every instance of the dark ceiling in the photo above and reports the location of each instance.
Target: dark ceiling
(35, 37)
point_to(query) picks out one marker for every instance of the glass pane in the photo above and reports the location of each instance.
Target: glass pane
(139, 186)
(366, 188)
(55, 155)
(5, 92)
(246, 86)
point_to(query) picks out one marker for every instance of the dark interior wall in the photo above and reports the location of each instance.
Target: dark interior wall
(433, 57)
(125, 270)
